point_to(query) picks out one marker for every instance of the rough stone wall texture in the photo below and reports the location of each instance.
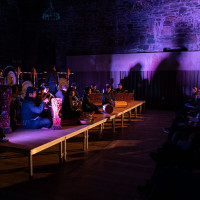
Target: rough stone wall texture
(93, 27)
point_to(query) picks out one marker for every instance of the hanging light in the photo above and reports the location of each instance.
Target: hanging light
(50, 14)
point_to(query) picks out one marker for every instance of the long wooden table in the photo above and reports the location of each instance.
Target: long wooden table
(31, 142)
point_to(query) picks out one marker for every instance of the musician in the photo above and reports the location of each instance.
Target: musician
(70, 108)
(120, 89)
(44, 93)
(30, 111)
(87, 105)
(76, 96)
(94, 88)
(52, 80)
(107, 97)
(61, 93)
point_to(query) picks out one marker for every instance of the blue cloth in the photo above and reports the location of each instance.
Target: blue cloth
(30, 115)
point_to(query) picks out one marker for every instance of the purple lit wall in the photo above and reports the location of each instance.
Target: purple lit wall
(94, 27)
(116, 63)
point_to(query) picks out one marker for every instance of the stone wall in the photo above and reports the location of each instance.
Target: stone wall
(93, 27)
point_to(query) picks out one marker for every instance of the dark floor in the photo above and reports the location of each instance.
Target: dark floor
(113, 167)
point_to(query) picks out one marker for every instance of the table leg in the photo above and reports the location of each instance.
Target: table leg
(61, 152)
(129, 115)
(122, 118)
(65, 150)
(30, 160)
(85, 140)
(113, 124)
(136, 112)
(101, 131)
(140, 109)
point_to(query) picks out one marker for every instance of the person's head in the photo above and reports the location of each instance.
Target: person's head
(31, 92)
(73, 85)
(108, 88)
(88, 90)
(64, 88)
(120, 86)
(194, 90)
(94, 86)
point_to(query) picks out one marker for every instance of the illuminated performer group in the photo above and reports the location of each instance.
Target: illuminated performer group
(53, 100)
(36, 107)
(37, 110)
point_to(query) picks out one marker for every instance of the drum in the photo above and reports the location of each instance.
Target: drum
(62, 81)
(10, 75)
(107, 108)
(25, 85)
(121, 104)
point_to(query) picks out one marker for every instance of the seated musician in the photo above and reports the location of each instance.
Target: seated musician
(61, 93)
(87, 105)
(107, 97)
(120, 89)
(94, 88)
(42, 94)
(76, 96)
(70, 108)
(30, 111)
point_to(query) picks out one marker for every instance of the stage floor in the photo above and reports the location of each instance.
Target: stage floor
(112, 168)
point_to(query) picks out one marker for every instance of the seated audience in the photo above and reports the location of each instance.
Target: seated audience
(30, 111)
(87, 105)
(94, 88)
(107, 97)
(70, 108)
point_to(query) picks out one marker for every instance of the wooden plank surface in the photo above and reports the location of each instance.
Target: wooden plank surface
(29, 139)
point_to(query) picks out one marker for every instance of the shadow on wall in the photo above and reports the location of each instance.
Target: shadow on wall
(134, 81)
(164, 89)
(159, 88)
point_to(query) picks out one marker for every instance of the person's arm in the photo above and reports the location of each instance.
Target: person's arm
(36, 109)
